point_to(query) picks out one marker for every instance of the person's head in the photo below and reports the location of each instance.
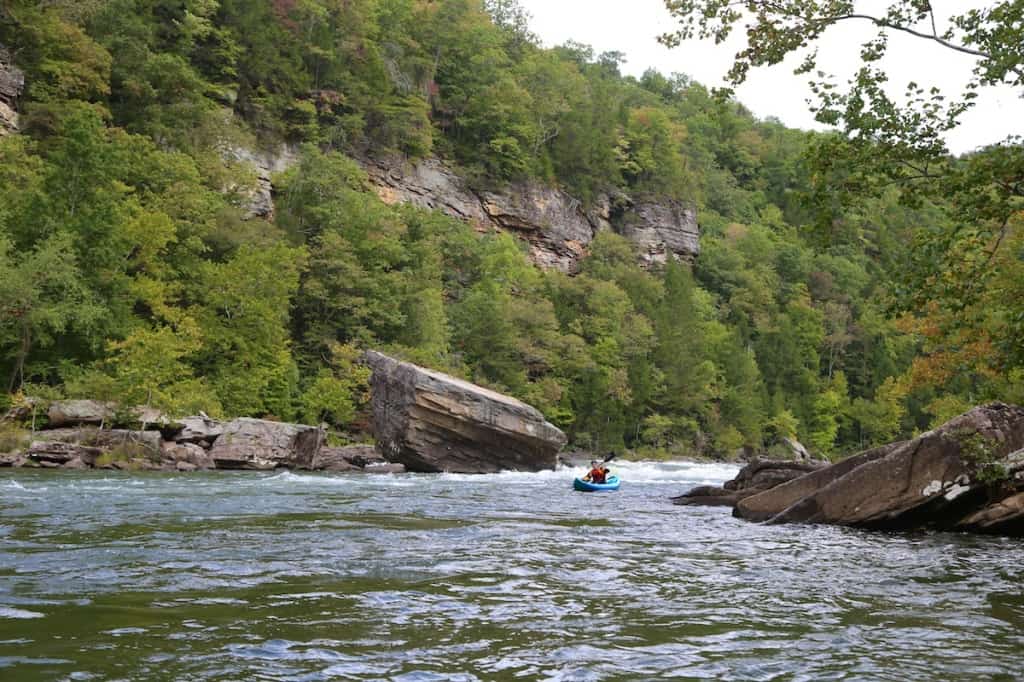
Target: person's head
(594, 464)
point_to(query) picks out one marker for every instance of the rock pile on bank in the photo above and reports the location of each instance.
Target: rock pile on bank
(77, 434)
(967, 475)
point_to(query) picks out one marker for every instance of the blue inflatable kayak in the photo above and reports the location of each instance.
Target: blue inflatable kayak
(586, 487)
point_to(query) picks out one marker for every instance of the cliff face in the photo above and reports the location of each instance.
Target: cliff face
(557, 226)
(12, 82)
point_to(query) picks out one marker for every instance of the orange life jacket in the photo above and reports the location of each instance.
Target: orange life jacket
(597, 475)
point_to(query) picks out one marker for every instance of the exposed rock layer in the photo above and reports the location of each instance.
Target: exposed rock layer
(758, 476)
(430, 421)
(12, 82)
(557, 226)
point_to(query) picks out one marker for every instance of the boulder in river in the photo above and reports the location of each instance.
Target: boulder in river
(756, 477)
(433, 422)
(260, 444)
(968, 474)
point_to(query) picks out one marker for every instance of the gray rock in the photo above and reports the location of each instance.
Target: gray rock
(663, 229)
(905, 488)
(259, 444)
(754, 478)
(558, 228)
(76, 464)
(148, 442)
(430, 421)
(196, 429)
(78, 412)
(766, 504)
(552, 221)
(54, 452)
(347, 458)
(185, 466)
(12, 83)
(259, 200)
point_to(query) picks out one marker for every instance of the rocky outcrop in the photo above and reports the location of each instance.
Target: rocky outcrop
(110, 439)
(433, 422)
(354, 458)
(766, 504)
(198, 429)
(79, 412)
(758, 476)
(259, 200)
(557, 226)
(12, 82)
(663, 230)
(58, 453)
(260, 444)
(966, 475)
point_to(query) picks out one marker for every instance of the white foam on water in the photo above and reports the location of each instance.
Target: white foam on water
(637, 472)
(20, 614)
(14, 485)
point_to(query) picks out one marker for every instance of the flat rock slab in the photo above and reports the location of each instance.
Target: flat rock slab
(78, 412)
(432, 422)
(260, 444)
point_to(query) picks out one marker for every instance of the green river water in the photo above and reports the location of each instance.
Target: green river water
(286, 576)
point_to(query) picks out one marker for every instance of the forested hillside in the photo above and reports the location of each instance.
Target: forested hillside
(128, 271)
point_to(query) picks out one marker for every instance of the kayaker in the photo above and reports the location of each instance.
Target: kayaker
(598, 472)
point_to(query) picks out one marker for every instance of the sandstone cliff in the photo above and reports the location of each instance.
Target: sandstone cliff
(12, 82)
(557, 226)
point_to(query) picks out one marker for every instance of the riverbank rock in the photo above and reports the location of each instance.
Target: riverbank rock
(966, 475)
(59, 453)
(196, 429)
(148, 442)
(259, 444)
(754, 478)
(766, 504)
(79, 412)
(431, 422)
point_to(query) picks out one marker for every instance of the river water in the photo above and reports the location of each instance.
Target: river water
(286, 576)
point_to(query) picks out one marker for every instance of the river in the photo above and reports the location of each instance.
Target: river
(288, 576)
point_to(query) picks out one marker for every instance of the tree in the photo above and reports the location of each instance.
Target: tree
(885, 143)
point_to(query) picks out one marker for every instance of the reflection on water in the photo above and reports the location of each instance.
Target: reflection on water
(512, 576)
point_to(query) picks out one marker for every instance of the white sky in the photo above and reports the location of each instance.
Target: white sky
(632, 26)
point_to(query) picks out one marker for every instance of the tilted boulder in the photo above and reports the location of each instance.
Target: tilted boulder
(754, 478)
(433, 422)
(766, 504)
(926, 482)
(260, 444)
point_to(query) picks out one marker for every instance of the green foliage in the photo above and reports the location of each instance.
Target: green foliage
(128, 273)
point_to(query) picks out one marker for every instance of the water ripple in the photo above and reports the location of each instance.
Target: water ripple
(291, 576)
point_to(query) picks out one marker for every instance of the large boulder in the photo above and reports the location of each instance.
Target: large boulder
(432, 422)
(78, 412)
(966, 475)
(259, 444)
(754, 478)
(767, 503)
